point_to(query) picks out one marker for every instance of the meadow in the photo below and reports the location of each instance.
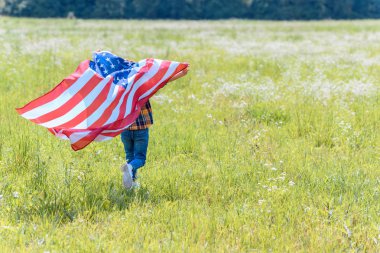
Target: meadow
(271, 143)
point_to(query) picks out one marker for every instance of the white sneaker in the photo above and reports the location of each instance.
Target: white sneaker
(127, 176)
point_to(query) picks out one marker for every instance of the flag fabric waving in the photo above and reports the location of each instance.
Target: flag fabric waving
(101, 98)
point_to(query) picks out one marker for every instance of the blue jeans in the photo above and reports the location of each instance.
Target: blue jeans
(135, 146)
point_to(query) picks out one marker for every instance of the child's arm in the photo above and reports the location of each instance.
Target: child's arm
(180, 74)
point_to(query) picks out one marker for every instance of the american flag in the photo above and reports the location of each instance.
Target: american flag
(101, 98)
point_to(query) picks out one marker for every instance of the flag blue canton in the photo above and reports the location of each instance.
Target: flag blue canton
(106, 64)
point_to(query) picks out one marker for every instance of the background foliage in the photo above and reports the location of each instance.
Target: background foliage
(195, 9)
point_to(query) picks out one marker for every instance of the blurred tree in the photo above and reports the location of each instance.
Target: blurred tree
(175, 9)
(341, 9)
(366, 8)
(264, 9)
(146, 8)
(2, 5)
(109, 9)
(129, 10)
(195, 9)
(308, 9)
(13, 7)
(373, 9)
(81, 8)
(218, 9)
(41, 8)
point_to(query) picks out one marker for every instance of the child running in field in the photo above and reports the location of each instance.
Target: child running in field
(135, 140)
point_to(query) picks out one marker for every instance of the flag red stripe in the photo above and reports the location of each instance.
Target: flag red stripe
(57, 91)
(107, 112)
(71, 103)
(163, 68)
(83, 142)
(179, 68)
(113, 134)
(89, 110)
(123, 122)
(142, 89)
(143, 70)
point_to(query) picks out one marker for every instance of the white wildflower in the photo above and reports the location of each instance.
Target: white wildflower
(349, 233)
(40, 241)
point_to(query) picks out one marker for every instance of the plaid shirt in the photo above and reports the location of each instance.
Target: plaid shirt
(145, 118)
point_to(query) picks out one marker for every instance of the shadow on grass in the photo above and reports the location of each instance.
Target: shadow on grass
(77, 195)
(61, 207)
(121, 198)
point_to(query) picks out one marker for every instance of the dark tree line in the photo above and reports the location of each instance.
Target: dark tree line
(195, 9)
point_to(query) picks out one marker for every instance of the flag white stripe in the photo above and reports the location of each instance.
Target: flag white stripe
(61, 99)
(74, 137)
(100, 138)
(131, 78)
(99, 112)
(110, 98)
(170, 71)
(115, 130)
(60, 135)
(81, 106)
(152, 72)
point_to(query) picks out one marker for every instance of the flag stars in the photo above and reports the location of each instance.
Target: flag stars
(107, 64)
(123, 82)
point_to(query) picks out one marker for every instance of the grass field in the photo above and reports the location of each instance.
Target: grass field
(271, 143)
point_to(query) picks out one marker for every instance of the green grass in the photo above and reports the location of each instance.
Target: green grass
(270, 143)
